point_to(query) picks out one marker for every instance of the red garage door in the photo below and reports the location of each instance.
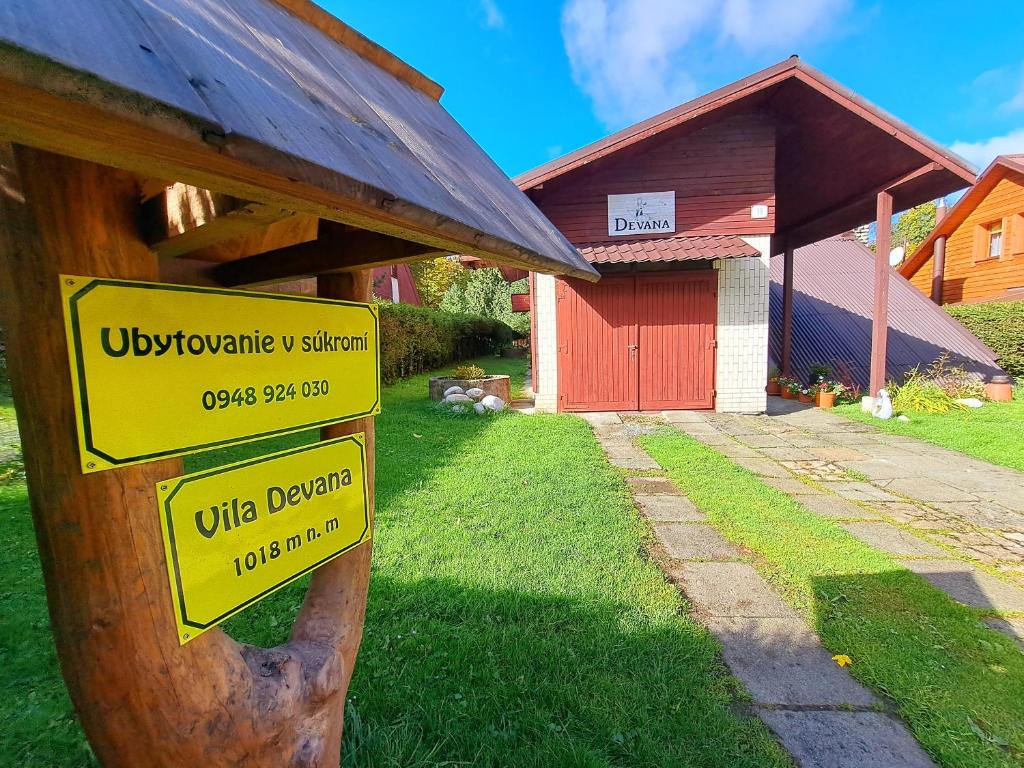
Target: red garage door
(639, 342)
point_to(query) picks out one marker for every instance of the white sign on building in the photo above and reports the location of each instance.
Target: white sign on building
(642, 213)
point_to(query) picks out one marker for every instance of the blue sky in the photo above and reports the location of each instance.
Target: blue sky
(533, 80)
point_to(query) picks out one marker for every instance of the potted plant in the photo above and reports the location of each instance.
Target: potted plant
(789, 387)
(805, 395)
(773, 387)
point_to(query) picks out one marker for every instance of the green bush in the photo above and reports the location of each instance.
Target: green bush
(415, 339)
(999, 325)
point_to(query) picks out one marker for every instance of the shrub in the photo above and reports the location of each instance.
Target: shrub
(469, 372)
(935, 389)
(415, 339)
(998, 324)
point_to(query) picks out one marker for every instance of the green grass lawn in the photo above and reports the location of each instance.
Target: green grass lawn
(513, 619)
(994, 432)
(959, 685)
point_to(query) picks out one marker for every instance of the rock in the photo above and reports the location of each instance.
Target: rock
(476, 393)
(970, 402)
(493, 403)
(454, 391)
(902, 417)
(458, 397)
(479, 408)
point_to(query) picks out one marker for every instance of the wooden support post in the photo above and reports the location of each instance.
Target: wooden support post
(938, 268)
(787, 309)
(143, 699)
(880, 314)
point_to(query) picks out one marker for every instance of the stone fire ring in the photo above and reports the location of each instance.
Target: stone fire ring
(491, 385)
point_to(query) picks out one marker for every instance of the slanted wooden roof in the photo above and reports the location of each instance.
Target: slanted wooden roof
(273, 101)
(835, 150)
(997, 170)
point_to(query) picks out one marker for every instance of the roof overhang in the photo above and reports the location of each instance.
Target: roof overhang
(272, 101)
(702, 248)
(997, 170)
(835, 150)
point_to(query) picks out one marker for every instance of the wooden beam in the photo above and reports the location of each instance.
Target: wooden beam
(880, 314)
(798, 230)
(185, 219)
(787, 309)
(337, 248)
(938, 268)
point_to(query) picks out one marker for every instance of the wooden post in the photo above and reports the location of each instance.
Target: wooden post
(787, 308)
(938, 268)
(143, 699)
(880, 315)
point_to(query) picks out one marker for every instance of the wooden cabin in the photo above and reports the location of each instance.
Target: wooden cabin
(682, 213)
(976, 251)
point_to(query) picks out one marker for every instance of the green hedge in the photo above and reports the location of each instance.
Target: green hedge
(415, 339)
(999, 324)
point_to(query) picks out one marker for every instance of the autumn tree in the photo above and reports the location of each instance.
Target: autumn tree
(913, 226)
(435, 276)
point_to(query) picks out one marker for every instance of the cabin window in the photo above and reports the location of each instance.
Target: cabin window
(995, 240)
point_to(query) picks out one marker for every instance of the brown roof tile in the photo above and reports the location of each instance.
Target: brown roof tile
(667, 249)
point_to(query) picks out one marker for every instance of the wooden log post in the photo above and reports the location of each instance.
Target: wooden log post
(880, 313)
(143, 699)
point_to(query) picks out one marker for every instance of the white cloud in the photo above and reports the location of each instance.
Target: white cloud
(981, 153)
(631, 56)
(493, 17)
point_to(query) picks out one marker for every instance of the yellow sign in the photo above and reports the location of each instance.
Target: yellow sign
(162, 370)
(235, 534)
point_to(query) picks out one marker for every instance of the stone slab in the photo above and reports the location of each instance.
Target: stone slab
(763, 467)
(781, 662)
(826, 739)
(641, 462)
(731, 590)
(1012, 628)
(694, 541)
(827, 505)
(622, 449)
(668, 509)
(926, 489)
(734, 450)
(787, 453)
(893, 540)
(968, 585)
(861, 491)
(762, 441)
(835, 453)
(653, 486)
(601, 418)
(678, 417)
(791, 485)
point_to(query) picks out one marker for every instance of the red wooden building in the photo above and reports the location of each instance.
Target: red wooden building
(681, 214)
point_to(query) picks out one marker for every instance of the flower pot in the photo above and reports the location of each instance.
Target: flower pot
(805, 398)
(999, 389)
(773, 388)
(825, 399)
(787, 393)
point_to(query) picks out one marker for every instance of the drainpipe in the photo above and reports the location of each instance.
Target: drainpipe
(939, 254)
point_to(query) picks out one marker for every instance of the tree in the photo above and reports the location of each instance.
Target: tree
(435, 276)
(913, 226)
(488, 294)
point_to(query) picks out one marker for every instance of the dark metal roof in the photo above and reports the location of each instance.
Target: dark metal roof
(835, 150)
(667, 249)
(279, 88)
(997, 170)
(832, 305)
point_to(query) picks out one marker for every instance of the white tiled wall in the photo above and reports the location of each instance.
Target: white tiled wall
(742, 365)
(545, 378)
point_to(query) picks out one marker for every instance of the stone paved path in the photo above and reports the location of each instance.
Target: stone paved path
(953, 519)
(821, 715)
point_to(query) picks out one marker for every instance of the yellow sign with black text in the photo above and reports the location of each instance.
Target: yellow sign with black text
(162, 370)
(235, 534)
